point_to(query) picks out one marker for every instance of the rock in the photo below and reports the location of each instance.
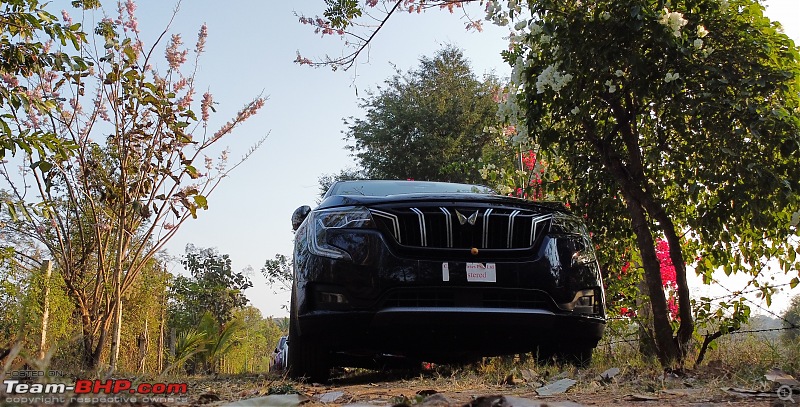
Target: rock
(641, 397)
(436, 400)
(274, 400)
(557, 387)
(609, 374)
(330, 396)
(510, 401)
(781, 378)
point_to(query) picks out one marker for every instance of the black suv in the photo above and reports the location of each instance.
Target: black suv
(438, 272)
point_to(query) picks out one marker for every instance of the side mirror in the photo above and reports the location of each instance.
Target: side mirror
(299, 216)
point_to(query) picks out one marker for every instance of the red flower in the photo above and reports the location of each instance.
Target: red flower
(668, 277)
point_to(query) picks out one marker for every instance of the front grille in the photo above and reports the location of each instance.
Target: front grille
(468, 297)
(457, 227)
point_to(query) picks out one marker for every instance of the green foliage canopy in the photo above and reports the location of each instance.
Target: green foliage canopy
(683, 116)
(213, 287)
(426, 124)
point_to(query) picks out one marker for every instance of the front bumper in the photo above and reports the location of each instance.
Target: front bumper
(386, 302)
(448, 333)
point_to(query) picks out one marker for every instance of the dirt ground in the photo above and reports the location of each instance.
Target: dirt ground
(521, 388)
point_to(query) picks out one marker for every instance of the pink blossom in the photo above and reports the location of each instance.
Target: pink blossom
(76, 105)
(205, 105)
(187, 99)
(180, 84)
(372, 3)
(65, 16)
(302, 60)
(476, 25)
(249, 110)
(175, 57)
(130, 7)
(130, 22)
(10, 80)
(201, 39)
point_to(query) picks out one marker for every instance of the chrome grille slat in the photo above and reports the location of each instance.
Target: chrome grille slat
(423, 233)
(448, 220)
(511, 227)
(436, 226)
(395, 223)
(486, 216)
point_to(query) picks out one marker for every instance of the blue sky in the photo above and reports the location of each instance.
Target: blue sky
(250, 50)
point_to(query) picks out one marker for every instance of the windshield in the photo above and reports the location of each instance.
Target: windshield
(386, 188)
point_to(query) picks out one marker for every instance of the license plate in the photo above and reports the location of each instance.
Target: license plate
(482, 273)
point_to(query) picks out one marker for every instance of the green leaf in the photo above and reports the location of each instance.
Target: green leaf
(201, 201)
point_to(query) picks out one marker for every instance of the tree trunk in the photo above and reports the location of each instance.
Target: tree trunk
(142, 343)
(117, 311)
(160, 347)
(47, 269)
(647, 345)
(667, 351)
(686, 328)
(116, 335)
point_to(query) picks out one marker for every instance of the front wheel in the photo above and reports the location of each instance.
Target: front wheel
(307, 358)
(579, 357)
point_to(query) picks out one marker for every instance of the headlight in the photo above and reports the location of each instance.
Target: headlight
(322, 221)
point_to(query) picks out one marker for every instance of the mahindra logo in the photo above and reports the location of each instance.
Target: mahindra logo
(463, 219)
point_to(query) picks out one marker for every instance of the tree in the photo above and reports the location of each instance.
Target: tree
(140, 168)
(684, 119)
(213, 287)
(24, 55)
(427, 124)
(325, 181)
(791, 321)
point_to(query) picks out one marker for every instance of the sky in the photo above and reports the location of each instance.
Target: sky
(250, 51)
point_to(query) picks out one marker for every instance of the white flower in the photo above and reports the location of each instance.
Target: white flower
(575, 110)
(520, 25)
(553, 78)
(605, 15)
(671, 77)
(701, 31)
(611, 87)
(672, 20)
(707, 52)
(698, 43)
(619, 73)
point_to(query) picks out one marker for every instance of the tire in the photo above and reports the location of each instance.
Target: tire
(578, 357)
(307, 359)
